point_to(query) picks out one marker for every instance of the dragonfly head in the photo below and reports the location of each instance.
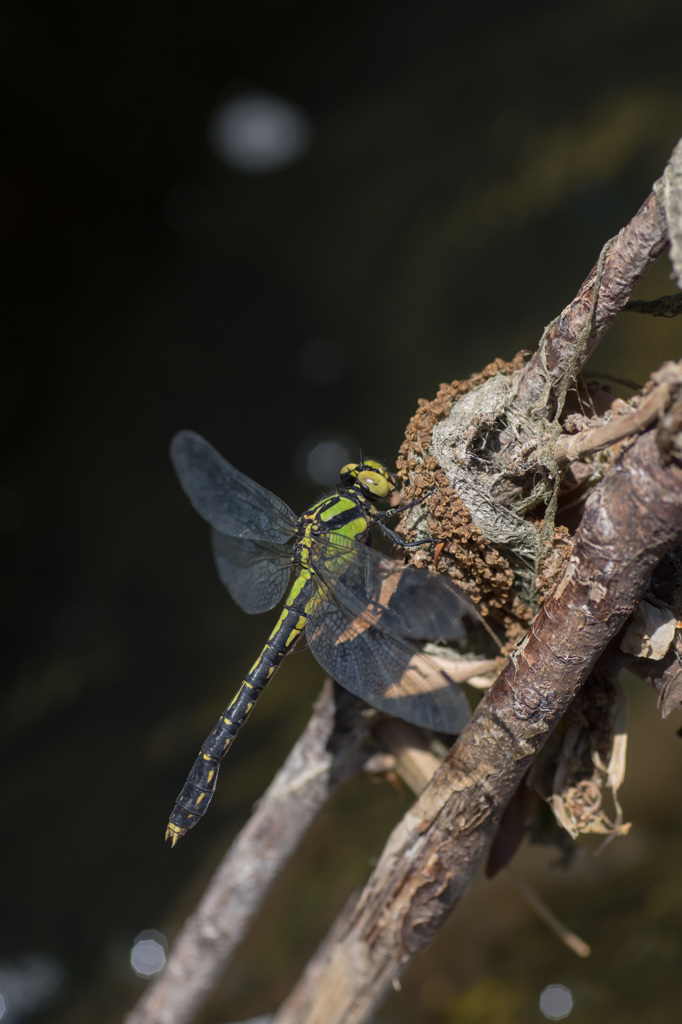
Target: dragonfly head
(373, 478)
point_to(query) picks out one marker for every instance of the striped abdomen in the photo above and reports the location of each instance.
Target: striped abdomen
(196, 794)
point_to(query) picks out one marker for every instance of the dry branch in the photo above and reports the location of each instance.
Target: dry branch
(328, 753)
(630, 521)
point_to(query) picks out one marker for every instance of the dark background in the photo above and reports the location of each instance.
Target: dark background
(464, 167)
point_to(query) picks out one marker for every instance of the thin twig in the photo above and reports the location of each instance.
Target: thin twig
(665, 305)
(414, 761)
(538, 905)
(652, 407)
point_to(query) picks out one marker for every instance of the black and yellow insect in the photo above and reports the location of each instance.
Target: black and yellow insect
(362, 612)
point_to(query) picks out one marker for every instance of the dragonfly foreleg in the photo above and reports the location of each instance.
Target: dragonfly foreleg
(400, 541)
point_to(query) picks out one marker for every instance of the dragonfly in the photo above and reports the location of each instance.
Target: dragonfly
(363, 613)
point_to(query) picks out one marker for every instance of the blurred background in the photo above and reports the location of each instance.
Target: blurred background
(281, 224)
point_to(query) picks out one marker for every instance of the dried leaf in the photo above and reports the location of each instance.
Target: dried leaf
(591, 759)
(650, 633)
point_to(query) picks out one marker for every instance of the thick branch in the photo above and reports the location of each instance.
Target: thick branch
(326, 755)
(630, 521)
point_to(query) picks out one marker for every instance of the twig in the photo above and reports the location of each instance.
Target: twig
(576, 446)
(571, 339)
(630, 521)
(327, 754)
(665, 305)
(414, 762)
(569, 938)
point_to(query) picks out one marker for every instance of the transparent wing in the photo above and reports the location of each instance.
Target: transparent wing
(227, 499)
(364, 627)
(412, 603)
(256, 572)
(252, 528)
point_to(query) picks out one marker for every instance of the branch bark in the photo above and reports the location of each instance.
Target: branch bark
(630, 521)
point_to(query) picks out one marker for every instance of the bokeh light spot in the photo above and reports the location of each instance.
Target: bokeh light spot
(556, 1002)
(319, 458)
(258, 133)
(325, 460)
(148, 955)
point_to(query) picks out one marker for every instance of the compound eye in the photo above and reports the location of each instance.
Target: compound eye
(377, 485)
(348, 469)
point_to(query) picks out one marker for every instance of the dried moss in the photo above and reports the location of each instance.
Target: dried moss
(456, 450)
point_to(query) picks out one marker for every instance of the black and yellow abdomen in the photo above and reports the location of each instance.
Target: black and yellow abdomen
(337, 513)
(195, 796)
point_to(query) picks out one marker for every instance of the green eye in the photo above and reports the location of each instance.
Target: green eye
(371, 475)
(378, 485)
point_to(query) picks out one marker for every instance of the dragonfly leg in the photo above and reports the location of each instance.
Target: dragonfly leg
(400, 541)
(399, 509)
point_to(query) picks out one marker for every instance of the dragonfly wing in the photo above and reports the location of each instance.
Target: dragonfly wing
(387, 671)
(363, 627)
(255, 572)
(413, 603)
(422, 604)
(227, 499)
